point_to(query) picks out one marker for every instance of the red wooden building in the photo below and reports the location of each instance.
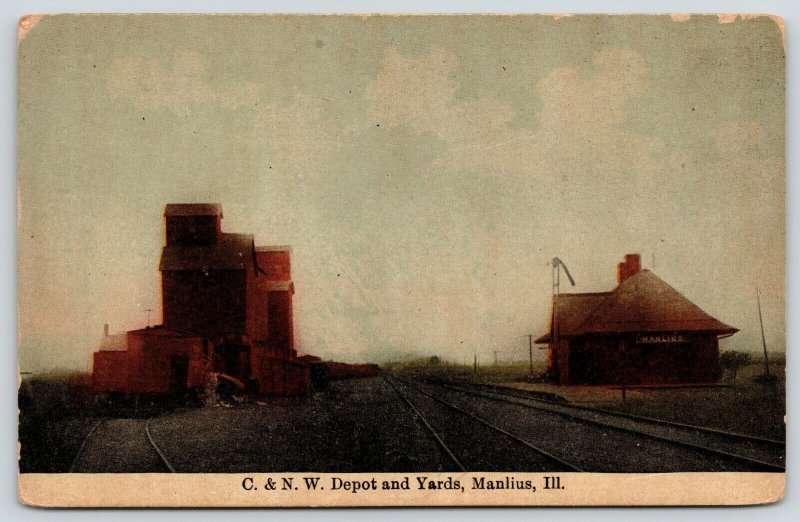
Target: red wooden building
(642, 332)
(227, 309)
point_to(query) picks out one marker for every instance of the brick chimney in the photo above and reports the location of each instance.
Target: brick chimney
(629, 267)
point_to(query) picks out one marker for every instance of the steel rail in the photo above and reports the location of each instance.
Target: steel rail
(522, 394)
(425, 423)
(767, 466)
(527, 444)
(155, 446)
(79, 454)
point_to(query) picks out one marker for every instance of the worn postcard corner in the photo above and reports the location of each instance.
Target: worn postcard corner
(26, 23)
(324, 261)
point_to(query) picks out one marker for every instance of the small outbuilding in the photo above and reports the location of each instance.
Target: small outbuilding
(644, 332)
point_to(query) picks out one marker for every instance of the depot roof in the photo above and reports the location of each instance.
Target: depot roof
(641, 303)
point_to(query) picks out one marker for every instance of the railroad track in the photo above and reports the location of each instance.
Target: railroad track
(522, 394)
(158, 461)
(79, 454)
(158, 450)
(759, 454)
(544, 461)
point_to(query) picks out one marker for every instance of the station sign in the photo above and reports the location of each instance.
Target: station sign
(660, 338)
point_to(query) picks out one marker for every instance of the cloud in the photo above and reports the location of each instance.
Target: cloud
(744, 195)
(735, 137)
(580, 123)
(412, 91)
(583, 159)
(596, 100)
(297, 134)
(149, 84)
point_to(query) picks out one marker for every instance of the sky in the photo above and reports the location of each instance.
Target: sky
(425, 170)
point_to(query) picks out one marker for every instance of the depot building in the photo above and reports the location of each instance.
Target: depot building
(643, 332)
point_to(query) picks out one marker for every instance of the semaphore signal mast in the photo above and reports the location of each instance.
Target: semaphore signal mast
(558, 264)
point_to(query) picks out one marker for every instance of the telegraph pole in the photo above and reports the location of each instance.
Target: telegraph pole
(495, 357)
(530, 351)
(763, 339)
(148, 316)
(475, 364)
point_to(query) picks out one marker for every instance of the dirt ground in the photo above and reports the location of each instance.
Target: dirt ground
(353, 426)
(745, 406)
(358, 425)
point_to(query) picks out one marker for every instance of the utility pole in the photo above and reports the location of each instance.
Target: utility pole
(495, 357)
(475, 364)
(763, 339)
(148, 316)
(530, 351)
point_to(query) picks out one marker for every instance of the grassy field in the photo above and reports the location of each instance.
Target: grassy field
(51, 425)
(746, 407)
(513, 372)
